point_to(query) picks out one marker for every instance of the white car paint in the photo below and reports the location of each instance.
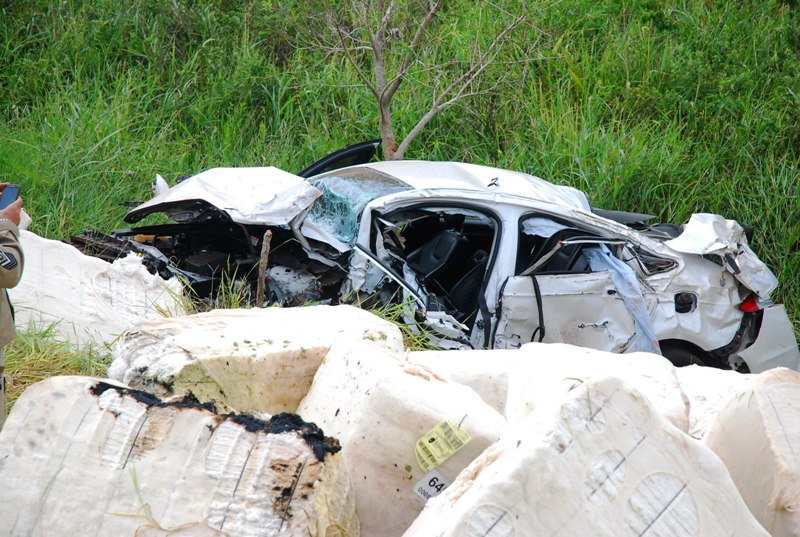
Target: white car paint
(712, 234)
(267, 195)
(775, 346)
(580, 308)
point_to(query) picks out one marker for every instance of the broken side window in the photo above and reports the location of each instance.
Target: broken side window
(645, 262)
(345, 193)
(549, 246)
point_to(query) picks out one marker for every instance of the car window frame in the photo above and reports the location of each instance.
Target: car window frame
(485, 319)
(602, 237)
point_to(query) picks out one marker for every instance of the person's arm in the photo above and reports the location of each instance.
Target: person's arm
(11, 260)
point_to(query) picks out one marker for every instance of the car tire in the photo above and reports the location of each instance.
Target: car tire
(682, 356)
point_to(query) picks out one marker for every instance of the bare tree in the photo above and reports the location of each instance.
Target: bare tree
(386, 37)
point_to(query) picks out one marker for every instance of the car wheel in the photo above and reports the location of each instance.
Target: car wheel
(682, 356)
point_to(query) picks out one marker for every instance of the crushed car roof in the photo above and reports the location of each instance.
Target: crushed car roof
(457, 175)
(271, 196)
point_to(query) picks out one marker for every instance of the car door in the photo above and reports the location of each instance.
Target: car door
(581, 309)
(558, 296)
(359, 153)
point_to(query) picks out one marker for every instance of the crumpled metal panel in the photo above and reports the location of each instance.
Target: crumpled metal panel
(458, 175)
(263, 196)
(715, 319)
(581, 309)
(775, 345)
(712, 234)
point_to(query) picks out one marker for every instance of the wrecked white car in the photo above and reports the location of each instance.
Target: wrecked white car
(481, 257)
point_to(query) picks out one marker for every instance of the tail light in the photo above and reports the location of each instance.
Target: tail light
(750, 304)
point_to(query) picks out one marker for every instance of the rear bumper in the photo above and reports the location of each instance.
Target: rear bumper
(775, 345)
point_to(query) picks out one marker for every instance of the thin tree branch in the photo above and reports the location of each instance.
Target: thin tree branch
(348, 50)
(362, 13)
(331, 49)
(405, 64)
(484, 60)
(459, 85)
(387, 16)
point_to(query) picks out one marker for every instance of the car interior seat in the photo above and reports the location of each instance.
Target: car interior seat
(567, 258)
(439, 260)
(465, 292)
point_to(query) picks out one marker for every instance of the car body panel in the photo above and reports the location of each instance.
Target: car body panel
(711, 323)
(264, 196)
(582, 309)
(776, 345)
(424, 175)
(712, 234)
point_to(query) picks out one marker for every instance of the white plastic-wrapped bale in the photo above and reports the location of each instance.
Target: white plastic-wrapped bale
(486, 372)
(709, 389)
(81, 456)
(247, 360)
(552, 369)
(757, 435)
(600, 462)
(85, 299)
(405, 432)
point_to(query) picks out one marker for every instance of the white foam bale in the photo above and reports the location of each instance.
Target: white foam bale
(486, 372)
(81, 457)
(708, 390)
(602, 462)
(248, 360)
(552, 369)
(88, 300)
(379, 408)
(757, 435)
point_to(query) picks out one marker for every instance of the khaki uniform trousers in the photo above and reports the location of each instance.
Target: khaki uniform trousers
(2, 391)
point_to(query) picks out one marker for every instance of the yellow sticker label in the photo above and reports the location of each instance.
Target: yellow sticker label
(439, 444)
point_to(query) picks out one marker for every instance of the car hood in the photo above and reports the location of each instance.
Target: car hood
(263, 196)
(712, 234)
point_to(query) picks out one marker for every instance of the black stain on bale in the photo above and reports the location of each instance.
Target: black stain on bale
(150, 400)
(279, 423)
(288, 423)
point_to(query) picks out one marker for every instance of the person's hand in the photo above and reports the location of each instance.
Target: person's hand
(12, 211)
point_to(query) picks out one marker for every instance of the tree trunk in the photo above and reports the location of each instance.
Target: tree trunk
(388, 142)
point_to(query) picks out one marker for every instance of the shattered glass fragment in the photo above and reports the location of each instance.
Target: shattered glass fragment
(345, 193)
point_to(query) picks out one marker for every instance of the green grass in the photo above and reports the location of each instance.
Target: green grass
(37, 355)
(415, 336)
(666, 107)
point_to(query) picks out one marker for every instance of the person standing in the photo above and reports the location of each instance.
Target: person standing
(11, 263)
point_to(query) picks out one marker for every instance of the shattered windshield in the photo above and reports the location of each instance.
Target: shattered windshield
(345, 193)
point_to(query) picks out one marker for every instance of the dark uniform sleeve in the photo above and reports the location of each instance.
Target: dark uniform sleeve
(11, 260)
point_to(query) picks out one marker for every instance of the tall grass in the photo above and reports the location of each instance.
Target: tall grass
(666, 107)
(37, 355)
